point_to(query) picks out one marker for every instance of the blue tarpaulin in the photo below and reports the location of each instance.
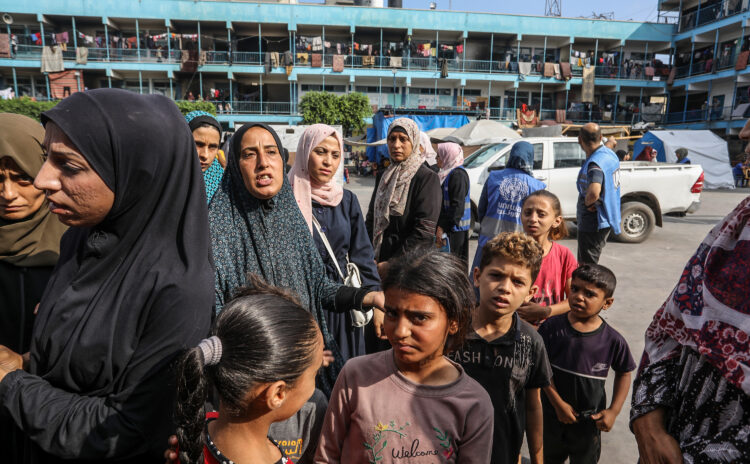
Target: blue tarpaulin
(652, 141)
(380, 125)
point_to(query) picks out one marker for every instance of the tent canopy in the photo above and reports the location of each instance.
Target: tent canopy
(380, 125)
(482, 132)
(704, 148)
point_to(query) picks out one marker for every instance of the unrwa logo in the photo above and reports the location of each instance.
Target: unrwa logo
(513, 189)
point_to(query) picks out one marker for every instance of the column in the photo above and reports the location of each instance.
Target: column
(46, 76)
(380, 59)
(106, 38)
(138, 39)
(15, 81)
(261, 89)
(75, 34)
(169, 52)
(323, 60)
(140, 82)
(619, 65)
(492, 47)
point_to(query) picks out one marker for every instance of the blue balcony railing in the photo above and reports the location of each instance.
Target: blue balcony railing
(709, 13)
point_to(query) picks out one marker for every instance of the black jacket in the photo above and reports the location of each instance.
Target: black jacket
(458, 187)
(416, 228)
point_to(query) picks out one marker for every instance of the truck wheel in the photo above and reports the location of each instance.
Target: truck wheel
(637, 222)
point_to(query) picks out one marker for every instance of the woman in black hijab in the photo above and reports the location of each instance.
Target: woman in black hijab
(133, 286)
(257, 228)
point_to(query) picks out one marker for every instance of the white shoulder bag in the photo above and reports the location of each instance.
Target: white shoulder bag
(352, 279)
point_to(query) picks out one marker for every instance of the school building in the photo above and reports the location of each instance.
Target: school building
(255, 60)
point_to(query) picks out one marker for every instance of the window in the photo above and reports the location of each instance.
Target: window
(568, 155)
(538, 157)
(480, 156)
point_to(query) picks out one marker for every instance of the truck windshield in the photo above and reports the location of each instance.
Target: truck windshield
(484, 154)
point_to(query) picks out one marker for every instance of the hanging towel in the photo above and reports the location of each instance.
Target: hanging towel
(524, 68)
(368, 61)
(302, 58)
(289, 69)
(565, 70)
(62, 37)
(202, 58)
(4, 46)
(52, 59)
(317, 44)
(338, 63)
(560, 116)
(742, 61)
(649, 71)
(443, 67)
(587, 94)
(317, 60)
(549, 70)
(274, 59)
(459, 48)
(395, 62)
(556, 71)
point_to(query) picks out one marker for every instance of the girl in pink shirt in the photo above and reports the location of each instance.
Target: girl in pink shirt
(542, 219)
(411, 404)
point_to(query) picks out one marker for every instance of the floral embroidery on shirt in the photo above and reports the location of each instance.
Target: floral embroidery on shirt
(446, 442)
(377, 448)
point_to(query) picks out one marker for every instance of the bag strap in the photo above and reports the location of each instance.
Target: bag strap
(328, 247)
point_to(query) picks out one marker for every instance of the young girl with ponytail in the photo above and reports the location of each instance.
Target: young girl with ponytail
(262, 359)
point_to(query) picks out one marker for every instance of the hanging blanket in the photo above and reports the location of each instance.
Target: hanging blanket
(395, 62)
(742, 61)
(524, 68)
(587, 94)
(317, 60)
(52, 59)
(672, 74)
(549, 70)
(565, 70)
(338, 63)
(556, 69)
(4, 46)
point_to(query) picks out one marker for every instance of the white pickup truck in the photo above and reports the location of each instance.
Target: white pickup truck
(648, 190)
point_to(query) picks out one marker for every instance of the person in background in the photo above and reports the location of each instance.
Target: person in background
(404, 207)
(691, 396)
(739, 171)
(623, 155)
(499, 208)
(598, 209)
(610, 142)
(543, 221)
(582, 348)
(504, 353)
(207, 135)
(333, 212)
(413, 403)
(262, 358)
(428, 153)
(455, 215)
(681, 154)
(131, 290)
(647, 154)
(29, 243)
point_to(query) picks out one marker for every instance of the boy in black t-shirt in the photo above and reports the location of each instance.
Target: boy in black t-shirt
(504, 353)
(582, 349)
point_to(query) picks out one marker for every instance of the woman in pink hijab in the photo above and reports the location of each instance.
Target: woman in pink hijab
(455, 212)
(338, 215)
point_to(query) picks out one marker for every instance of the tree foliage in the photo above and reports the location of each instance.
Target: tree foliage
(26, 106)
(348, 110)
(33, 108)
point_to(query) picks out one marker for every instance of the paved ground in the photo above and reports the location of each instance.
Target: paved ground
(646, 274)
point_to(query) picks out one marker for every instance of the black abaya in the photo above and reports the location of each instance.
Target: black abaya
(127, 295)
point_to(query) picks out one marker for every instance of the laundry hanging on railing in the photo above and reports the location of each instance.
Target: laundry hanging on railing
(4, 46)
(742, 60)
(52, 59)
(82, 55)
(317, 60)
(565, 70)
(549, 70)
(587, 93)
(338, 63)
(395, 61)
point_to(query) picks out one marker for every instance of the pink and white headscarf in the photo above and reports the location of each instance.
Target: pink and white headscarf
(428, 153)
(451, 156)
(709, 309)
(305, 189)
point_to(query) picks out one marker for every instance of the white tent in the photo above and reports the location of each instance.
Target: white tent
(481, 132)
(704, 148)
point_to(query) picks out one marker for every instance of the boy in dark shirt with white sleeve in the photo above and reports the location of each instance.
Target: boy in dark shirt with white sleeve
(504, 353)
(582, 348)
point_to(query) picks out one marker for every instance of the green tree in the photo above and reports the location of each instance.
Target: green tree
(27, 107)
(348, 110)
(186, 106)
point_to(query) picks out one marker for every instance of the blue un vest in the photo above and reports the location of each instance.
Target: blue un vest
(608, 211)
(505, 192)
(466, 218)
